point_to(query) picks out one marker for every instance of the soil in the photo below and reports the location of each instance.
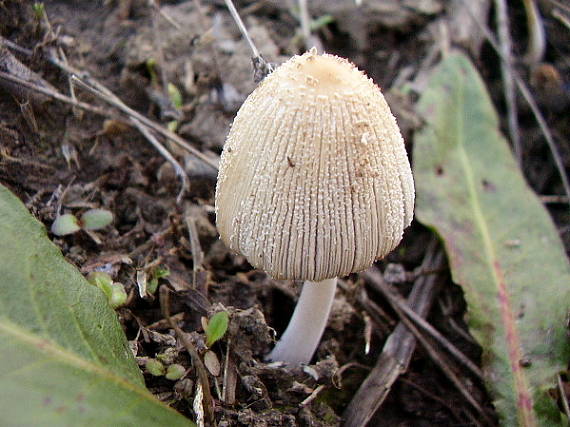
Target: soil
(53, 156)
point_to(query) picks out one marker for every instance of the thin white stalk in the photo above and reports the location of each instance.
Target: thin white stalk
(302, 336)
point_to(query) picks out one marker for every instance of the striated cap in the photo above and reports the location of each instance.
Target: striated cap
(314, 179)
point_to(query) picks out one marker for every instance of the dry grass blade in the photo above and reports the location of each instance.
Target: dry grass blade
(99, 90)
(56, 95)
(525, 92)
(87, 82)
(10, 65)
(563, 396)
(554, 199)
(229, 382)
(537, 38)
(381, 319)
(197, 253)
(242, 28)
(305, 24)
(261, 67)
(399, 304)
(159, 53)
(561, 17)
(503, 30)
(439, 359)
(312, 396)
(397, 352)
(185, 184)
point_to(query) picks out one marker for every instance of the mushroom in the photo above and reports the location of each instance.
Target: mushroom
(314, 184)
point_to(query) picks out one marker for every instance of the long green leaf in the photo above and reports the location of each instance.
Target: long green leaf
(503, 247)
(64, 360)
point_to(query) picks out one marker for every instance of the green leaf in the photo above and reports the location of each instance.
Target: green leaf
(502, 246)
(155, 367)
(95, 219)
(217, 327)
(39, 10)
(65, 224)
(103, 281)
(175, 372)
(64, 358)
(118, 295)
(157, 273)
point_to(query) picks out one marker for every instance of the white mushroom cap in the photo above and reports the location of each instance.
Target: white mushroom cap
(314, 179)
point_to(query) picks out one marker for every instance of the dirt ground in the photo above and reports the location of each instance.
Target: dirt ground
(52, 153)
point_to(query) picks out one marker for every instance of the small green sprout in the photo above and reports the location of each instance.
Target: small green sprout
(158, 273)
(216, 327)
(154, 367)
(102, 280)
(115, 292)
(175, 96)
(320, 22)
(95, 219)
(172, 125)
(175, 372)
(151, 68)
(118, 295)
(65, 224)
(39, 10)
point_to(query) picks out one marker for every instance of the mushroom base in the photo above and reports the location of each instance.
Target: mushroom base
(302, 336)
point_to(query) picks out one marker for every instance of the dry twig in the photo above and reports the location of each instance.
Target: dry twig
(305, 22)
(93, 86)
(563, 396)
(180, 173)
(503, 29)
(397, 351)
(197, 253)
(229, 382)
(403, 309)
(312, 396)
(439, 359)
(537, 38)
(561, 17)
(55, 95)
(260, 65)
(208, 402)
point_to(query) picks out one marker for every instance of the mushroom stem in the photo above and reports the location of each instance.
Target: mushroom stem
(302, 336)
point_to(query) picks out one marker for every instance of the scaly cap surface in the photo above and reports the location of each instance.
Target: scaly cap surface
(314, 180)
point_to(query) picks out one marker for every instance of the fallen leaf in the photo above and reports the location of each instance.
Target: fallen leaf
(470, 189)
(65, 359)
